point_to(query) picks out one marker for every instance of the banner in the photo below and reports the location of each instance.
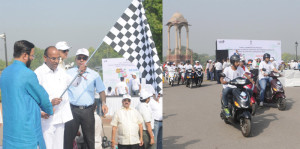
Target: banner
(250, 49)
(114, 68)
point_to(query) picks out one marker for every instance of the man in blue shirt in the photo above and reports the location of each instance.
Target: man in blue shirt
(23, 98)
(82, 102)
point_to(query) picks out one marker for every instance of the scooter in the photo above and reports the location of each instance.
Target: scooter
(173, 76)
(198, 77)
(274, 92)
(239, 106)
(181, 76)
(189, 78)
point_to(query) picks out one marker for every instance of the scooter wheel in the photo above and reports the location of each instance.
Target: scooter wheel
(281, 104)
(245, 126)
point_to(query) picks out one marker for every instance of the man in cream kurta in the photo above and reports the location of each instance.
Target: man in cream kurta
(55, 80)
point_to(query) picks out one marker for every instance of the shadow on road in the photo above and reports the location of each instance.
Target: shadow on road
(261, 122)
(169, 115)
(171, 143)
(289, 103)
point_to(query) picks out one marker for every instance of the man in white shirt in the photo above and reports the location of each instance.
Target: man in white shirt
(254, 63)
(135, 84)
(63, 49)
(219, 69)
(148, 124)
(231, 73)
(157, 112)
(274, 63)
(198, 65)
(55, 80)
(263, 75)
(121, 88)
(209, 62)
(128, 121)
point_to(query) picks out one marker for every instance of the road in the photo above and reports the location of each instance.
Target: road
(192, 121)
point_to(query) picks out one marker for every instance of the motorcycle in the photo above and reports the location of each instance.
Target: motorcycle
(239, 105)
(181, 76)
(189, 78)
(173, 76)
(198, 77)
(274, 92)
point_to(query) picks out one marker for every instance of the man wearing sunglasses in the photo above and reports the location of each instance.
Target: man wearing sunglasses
(63, 49)
(128, 121)
(82, 100)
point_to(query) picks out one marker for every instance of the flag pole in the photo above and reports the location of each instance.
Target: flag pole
(79, 71)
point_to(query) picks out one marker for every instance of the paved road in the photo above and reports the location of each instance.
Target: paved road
(192, 121)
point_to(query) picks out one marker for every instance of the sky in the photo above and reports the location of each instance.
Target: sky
(234, 19)
(82, 24)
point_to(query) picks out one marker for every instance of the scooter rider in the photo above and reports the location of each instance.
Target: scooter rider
(263, 76)
(187, 66)
(198, 65)
(232, 72)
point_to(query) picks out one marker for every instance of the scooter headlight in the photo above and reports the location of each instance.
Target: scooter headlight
(274, 89)
(236, 104)
(241, 81)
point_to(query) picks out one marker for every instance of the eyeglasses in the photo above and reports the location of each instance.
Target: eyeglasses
(82, 57)
(64, 51)
(129, 100)
(54, 58)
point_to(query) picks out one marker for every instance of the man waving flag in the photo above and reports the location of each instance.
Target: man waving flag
(132, 38)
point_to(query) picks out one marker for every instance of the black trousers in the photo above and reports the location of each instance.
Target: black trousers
(85, 118)
(135, 146)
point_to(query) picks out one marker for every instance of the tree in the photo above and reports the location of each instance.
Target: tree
(153, 9)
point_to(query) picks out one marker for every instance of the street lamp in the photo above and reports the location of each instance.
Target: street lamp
(296, 43)
(3, 36)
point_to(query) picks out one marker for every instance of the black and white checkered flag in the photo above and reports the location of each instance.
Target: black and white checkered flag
(132, 38)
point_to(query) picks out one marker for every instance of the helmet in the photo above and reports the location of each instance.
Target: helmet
(234, 58)
(266, 55)
(188, 61)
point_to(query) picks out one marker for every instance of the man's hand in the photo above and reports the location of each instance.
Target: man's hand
(82, 69)
(113, 143)
(142, 142)
(152, 140)
(104, 109)
(44, 115)
(56, 101)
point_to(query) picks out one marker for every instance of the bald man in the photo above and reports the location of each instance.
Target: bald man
(55, 80)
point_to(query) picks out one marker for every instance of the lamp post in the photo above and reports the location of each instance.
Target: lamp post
(296, 43)
(3, 36)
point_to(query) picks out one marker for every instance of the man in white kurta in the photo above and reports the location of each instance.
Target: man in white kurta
(55, 80)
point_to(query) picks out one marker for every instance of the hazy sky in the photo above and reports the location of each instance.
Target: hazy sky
(82, 24)
(235, 19)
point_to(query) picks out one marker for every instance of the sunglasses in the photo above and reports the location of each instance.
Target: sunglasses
(129, 100)
(82, 57)
(64, 51)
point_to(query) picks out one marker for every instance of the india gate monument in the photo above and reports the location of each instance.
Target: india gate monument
(178, 21)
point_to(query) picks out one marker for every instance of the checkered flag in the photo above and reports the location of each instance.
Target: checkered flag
(132, 38)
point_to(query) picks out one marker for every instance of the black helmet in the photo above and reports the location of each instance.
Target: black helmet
(266, 55)
(188, 61)
(234, 58)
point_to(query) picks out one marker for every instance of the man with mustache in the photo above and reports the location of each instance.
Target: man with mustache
(22, 99)
(128, 121)
(55, 80)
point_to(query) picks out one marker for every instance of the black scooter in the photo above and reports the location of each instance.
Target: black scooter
(239, 106)
(189, 78)
(198, 76)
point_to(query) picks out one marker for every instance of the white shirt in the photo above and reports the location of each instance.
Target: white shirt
(232, 74)
(111, 93)
(198, 66)
(98, 131)
(157, 109)
(135, 84)
(219, 66)
(121, 88)
(274, 63)
(55, 83)
(207, 65)
(187, 67)
(127, 122)
(254, 64)
(146, 113)
(269, 67)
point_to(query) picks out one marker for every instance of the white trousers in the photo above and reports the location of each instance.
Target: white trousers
(54, 136)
